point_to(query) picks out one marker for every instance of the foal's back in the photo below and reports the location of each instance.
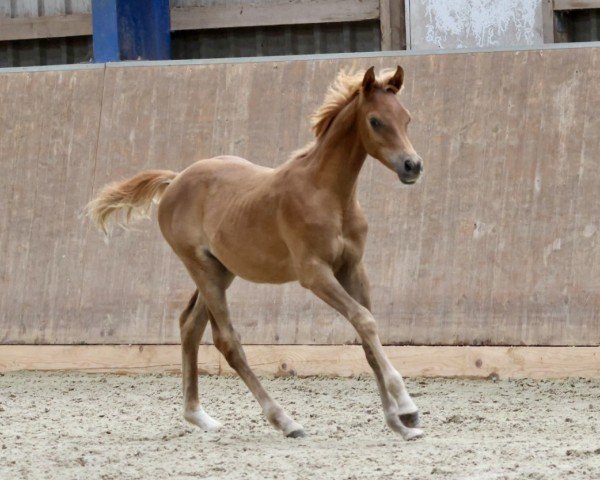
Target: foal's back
(228, 206)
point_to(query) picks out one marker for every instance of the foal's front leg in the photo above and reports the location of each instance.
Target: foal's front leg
(319, 278)
(354, 279)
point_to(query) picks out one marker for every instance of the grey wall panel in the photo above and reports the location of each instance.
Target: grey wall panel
(498, 244)
(449, 24)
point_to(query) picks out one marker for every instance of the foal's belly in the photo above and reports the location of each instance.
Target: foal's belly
(252, 262)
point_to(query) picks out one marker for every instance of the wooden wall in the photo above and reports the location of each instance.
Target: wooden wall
(49, 32)
(499, 243)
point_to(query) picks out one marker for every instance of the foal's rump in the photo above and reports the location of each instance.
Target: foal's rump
(125, 201)
(226, 205)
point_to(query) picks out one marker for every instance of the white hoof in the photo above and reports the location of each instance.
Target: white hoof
(294, 430)
(412, 433)
(408, 432)
(202, 419)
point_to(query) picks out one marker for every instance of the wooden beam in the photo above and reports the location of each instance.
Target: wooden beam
(385, 24)
(103, 358)
(278, 12)
(310, 360)
(398, 22)
(548, 21)
(576, 4)
(392, 25)
(393, 32)
(26, 28)
(561, 32)
(407, 31)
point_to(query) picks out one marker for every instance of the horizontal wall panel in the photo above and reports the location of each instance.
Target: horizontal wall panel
(498, 244)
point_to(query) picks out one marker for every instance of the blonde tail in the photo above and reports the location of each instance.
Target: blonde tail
(129, 199)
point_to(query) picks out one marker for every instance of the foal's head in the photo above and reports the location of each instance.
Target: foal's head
(383, 123)
(378, 115)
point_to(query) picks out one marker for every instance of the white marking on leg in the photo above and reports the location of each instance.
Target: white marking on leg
(202, 419)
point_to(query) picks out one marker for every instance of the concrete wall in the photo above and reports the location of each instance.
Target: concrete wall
(497, 245)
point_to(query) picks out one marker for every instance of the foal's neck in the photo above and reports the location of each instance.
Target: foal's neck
(336, 158)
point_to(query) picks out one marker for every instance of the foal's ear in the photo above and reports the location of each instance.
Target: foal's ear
(397, 80)
(369, 80)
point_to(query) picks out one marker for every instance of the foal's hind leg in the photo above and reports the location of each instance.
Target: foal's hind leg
(226, 340)
(212, 279)
(192, 324)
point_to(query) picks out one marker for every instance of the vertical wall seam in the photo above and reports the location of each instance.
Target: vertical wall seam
(93, 181)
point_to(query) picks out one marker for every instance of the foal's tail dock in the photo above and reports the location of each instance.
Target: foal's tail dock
(129, 199)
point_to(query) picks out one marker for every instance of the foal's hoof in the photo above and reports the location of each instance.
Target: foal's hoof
(412, 434)
(411, 420)
(296, 434)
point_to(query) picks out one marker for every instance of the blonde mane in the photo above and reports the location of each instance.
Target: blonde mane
(340, 93)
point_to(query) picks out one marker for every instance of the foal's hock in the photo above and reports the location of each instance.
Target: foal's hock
(301, 221)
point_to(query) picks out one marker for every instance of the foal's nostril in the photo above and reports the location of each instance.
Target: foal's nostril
(409, 165)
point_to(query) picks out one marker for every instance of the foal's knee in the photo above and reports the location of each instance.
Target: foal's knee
(364, 323)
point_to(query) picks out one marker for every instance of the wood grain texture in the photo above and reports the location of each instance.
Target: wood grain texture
(548, 21)
(497, 245)
(311, 360)
(392, 25)
(53, 26)
(278, 12)
(49, 124)
(104, 358)
(385, 24)
(30, 25)
(398, 23)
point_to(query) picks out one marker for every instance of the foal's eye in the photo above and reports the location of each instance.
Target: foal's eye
(375, 123)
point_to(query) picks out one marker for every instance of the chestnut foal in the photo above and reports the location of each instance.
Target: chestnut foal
(226, 217)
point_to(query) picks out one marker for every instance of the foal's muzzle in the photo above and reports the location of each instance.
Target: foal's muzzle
(408, 168)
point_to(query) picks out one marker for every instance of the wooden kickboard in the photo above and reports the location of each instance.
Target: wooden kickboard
(312, 360)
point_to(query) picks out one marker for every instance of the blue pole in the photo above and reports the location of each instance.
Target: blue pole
(105, 32)
(131, 30)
